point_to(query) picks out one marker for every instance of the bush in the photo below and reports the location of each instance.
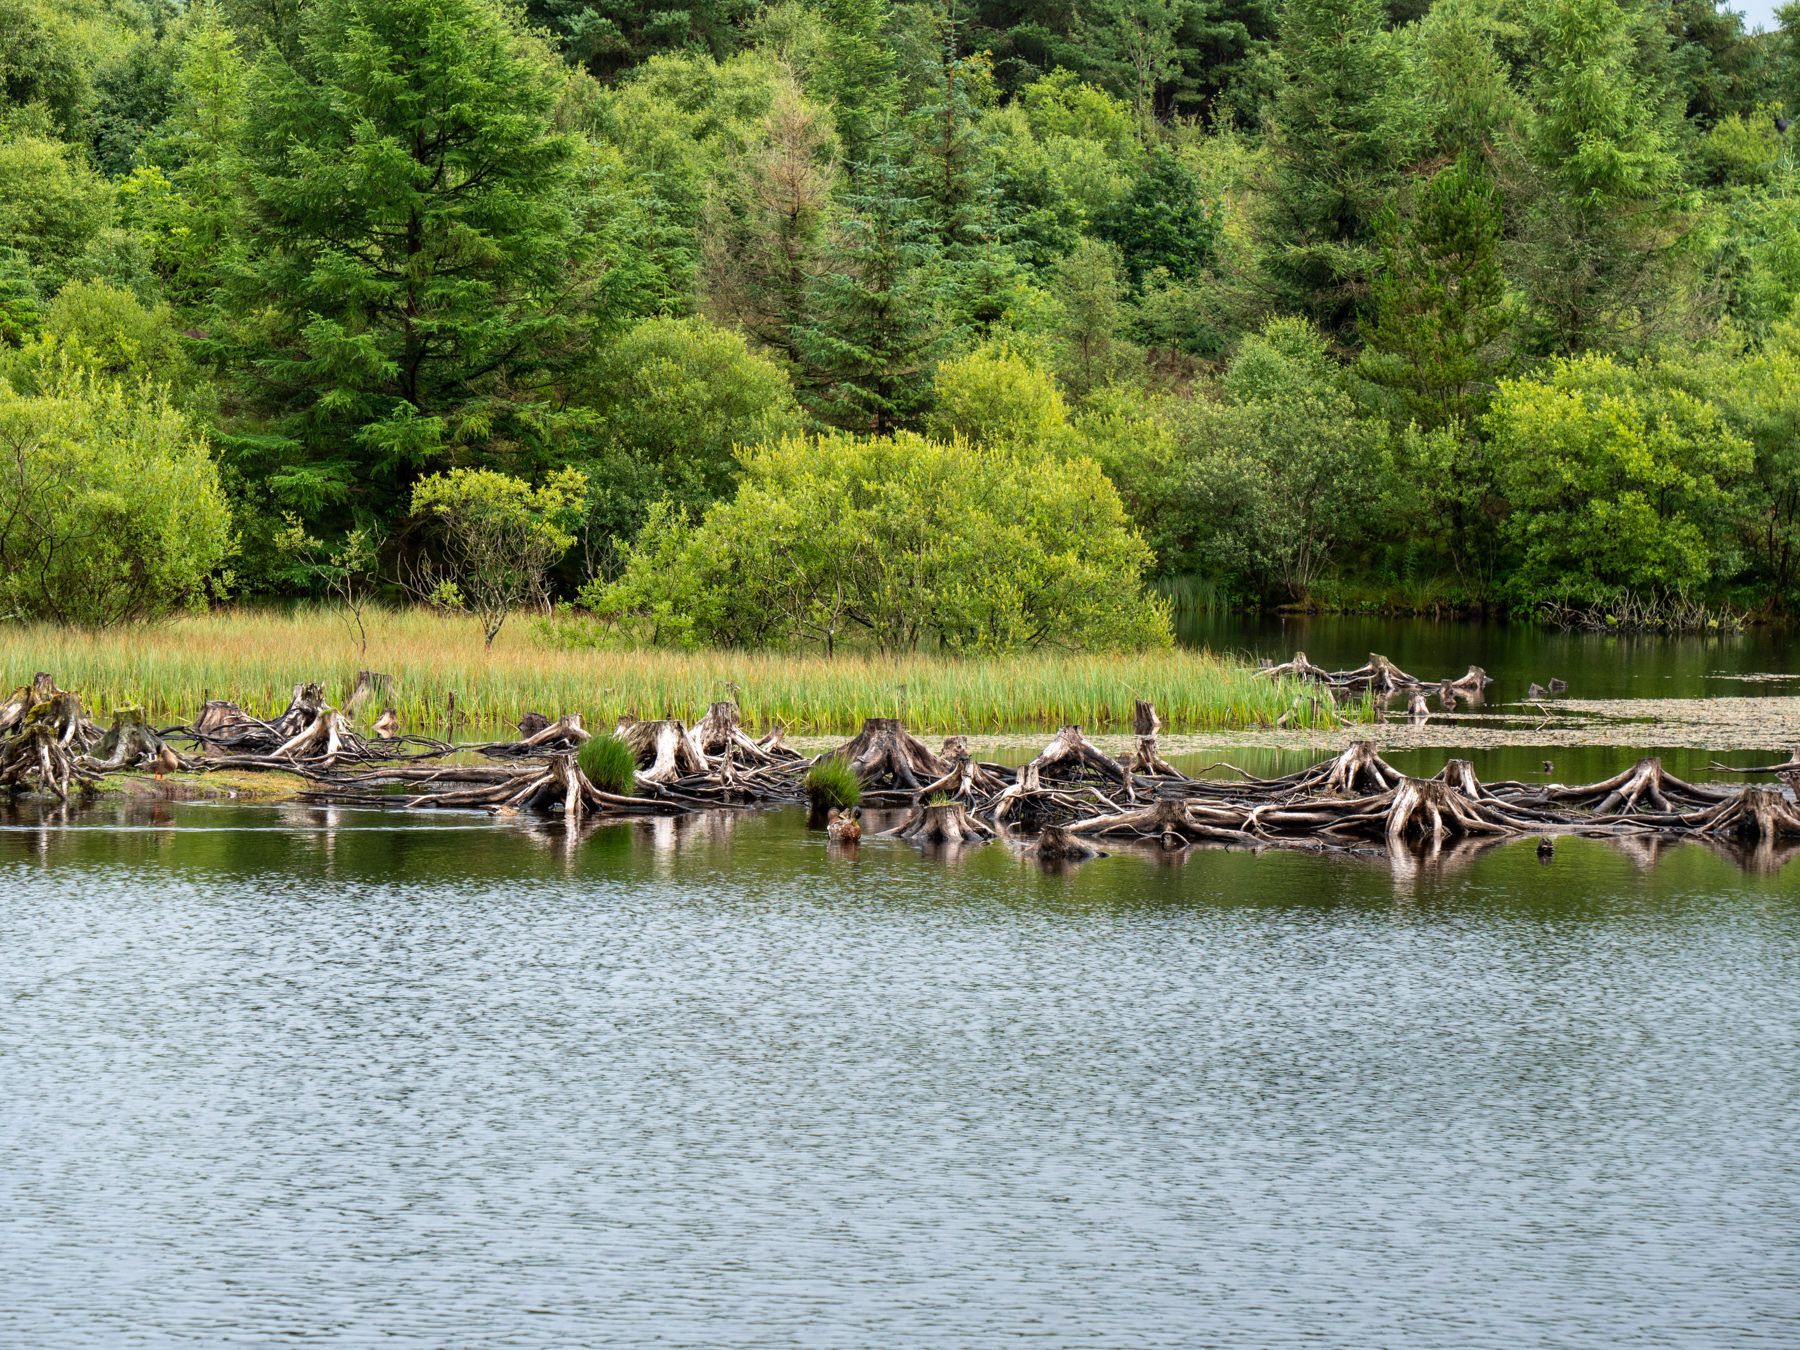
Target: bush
(1614, 481)
(51, 204)
(901, 542)
(115, 509)
(833, 784)
(609, 764)
(995, 396)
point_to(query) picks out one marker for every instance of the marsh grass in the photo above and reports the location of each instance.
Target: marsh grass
(833, 785)
(609, 764)
(255, 657)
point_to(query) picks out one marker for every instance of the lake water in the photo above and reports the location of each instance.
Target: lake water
(284, 1074)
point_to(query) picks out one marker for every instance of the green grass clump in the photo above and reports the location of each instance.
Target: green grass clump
(833, 784)
(609, 764)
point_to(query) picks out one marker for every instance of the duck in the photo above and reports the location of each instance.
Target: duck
(845, 826)
(1549, 767)
(1546, 849)
(1558, 686)
(387, 725)
(1537, 691)
(165, 761)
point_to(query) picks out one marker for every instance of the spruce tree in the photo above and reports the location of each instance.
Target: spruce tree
(414, 259)
(1606, 202)
(1346, 122)
(878, 308)
(1439, 305)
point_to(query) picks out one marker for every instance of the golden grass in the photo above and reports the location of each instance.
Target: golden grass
(255, 657)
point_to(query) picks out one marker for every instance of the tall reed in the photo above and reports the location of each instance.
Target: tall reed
(438, 666)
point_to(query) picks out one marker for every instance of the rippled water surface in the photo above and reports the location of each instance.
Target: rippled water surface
(285, 1074)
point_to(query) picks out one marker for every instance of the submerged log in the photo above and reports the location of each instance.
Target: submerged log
(1644, 786)
(130, 743)
(1070, 754)
(1148, 760)
(44, 747)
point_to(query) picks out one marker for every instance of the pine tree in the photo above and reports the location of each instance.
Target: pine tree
(415, 263)
(878, 306)
(856, 75)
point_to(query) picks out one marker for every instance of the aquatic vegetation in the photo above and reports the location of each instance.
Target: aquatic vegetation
(609, 764)
(442, 681)
(832, 783)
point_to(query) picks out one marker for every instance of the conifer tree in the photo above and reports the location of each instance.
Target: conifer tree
(415, 263)
(879, 321)
(1346, 122)
(1439, 304)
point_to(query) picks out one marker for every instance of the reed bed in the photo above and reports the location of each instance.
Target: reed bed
(255, 657)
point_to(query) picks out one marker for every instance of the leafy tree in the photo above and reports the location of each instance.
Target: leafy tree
(899, 541)
(415, 269)
(51, 205)
(113, 510)
(1163, 221)
(496, 539)
(674, 400)
(1283, 474)
(1089, 285)
(108, 332)
(1614, 481)
(41, 71)
(994, 396)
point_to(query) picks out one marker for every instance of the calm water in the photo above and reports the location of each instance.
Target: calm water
(286, 1074)
(1596, 665)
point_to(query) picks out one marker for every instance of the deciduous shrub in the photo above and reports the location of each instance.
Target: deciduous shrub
(899, 542)
(112, 505)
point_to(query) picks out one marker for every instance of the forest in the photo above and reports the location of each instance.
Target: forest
(899, 325)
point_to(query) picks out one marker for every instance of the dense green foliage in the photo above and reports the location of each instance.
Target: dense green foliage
(907, 323)
(113, 506)
(901, 541)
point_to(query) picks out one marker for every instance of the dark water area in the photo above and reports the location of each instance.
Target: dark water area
(293, 1074)
(297, 1074)
(1595, 665)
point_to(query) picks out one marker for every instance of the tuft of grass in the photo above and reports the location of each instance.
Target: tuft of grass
(609, 764)
(444, 683)
(833, 784)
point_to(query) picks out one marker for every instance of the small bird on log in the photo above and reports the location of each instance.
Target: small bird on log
(846, 826)
(166, 761)
(387, 725)
(1537, 691)
(1558, 686)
